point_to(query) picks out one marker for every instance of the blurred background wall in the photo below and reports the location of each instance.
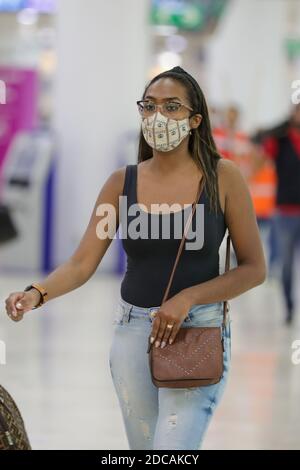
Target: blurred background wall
(103, 57)
(249, 60)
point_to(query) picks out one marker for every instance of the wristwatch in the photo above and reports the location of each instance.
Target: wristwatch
(42, 292)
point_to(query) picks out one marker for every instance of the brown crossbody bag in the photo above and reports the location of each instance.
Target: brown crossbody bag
(195, 358)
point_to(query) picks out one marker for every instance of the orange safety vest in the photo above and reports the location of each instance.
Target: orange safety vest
(263, 190)
(236, 149)
(263, 184)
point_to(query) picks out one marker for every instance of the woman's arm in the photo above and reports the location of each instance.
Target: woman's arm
(244, 233)
(82, 264)
(91, 249)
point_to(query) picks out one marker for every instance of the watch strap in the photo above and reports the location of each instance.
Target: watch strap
(42, 291)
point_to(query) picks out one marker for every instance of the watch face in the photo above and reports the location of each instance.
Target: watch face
(27, 288)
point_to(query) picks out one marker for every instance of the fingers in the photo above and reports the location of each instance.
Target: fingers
(14, 307)
(14, 315)
(161, 334)
(155, 330)
(10, 305)
(17, 317)
(174, 332)
(22, 305)
(167, 334)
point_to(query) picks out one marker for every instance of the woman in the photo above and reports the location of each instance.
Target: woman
(176, 151)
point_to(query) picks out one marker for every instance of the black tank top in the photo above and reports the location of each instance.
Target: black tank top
(150, 261)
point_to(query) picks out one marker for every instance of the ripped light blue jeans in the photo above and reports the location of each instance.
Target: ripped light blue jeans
(161, 418)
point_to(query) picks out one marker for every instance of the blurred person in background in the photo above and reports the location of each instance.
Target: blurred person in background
(262, 184)
(282, 145)
(236, 145)
(233, 143)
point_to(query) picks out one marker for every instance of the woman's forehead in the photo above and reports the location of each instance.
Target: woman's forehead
(166, 88)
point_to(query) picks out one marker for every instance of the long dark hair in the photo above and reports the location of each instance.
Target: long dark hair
(201, 144)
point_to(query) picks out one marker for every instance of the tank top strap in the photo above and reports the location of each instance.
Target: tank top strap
(130, 183)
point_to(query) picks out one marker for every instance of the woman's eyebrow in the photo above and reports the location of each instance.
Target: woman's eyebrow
(165, 99)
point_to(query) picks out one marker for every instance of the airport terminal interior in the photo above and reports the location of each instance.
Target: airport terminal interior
(70, 76)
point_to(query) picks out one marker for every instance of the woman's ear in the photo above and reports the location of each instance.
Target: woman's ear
(195, 121)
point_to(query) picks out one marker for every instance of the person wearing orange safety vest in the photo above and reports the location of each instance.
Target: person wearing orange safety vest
(281, 145)
(263, 184)
(233, 145)
(238, 147)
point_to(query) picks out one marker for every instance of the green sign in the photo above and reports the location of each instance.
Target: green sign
(186, 14)
(190, 17)
(292, 46)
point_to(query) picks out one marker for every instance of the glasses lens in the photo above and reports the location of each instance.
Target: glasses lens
(172, 107)
(146, 108)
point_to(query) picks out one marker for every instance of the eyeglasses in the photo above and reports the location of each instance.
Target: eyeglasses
(169, 108)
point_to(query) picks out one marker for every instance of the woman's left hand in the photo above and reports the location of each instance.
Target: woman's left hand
(172, 312)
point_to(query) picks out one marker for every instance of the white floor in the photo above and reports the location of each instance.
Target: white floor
(57, 370)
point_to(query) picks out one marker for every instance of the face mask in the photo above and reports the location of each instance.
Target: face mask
(164, 134)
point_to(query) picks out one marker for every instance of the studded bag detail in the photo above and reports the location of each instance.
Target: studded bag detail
(195, 358)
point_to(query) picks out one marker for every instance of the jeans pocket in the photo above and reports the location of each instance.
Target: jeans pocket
(211, 317)
(119, 316)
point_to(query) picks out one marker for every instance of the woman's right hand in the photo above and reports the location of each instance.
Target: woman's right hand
(18, 303)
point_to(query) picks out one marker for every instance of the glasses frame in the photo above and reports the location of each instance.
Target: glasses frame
(160, 105)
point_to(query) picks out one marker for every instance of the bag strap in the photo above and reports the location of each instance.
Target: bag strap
(227, 266)
(187, 226)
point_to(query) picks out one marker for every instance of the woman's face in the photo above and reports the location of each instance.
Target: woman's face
(169, 90)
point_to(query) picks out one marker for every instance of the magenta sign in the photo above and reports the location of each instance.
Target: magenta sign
(42, 6)
(20, 110)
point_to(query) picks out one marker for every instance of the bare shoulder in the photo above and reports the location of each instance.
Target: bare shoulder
(112, 187)
(232, 185)
(228, 171)
(115, 182)
(230, 176)
(116, 179)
